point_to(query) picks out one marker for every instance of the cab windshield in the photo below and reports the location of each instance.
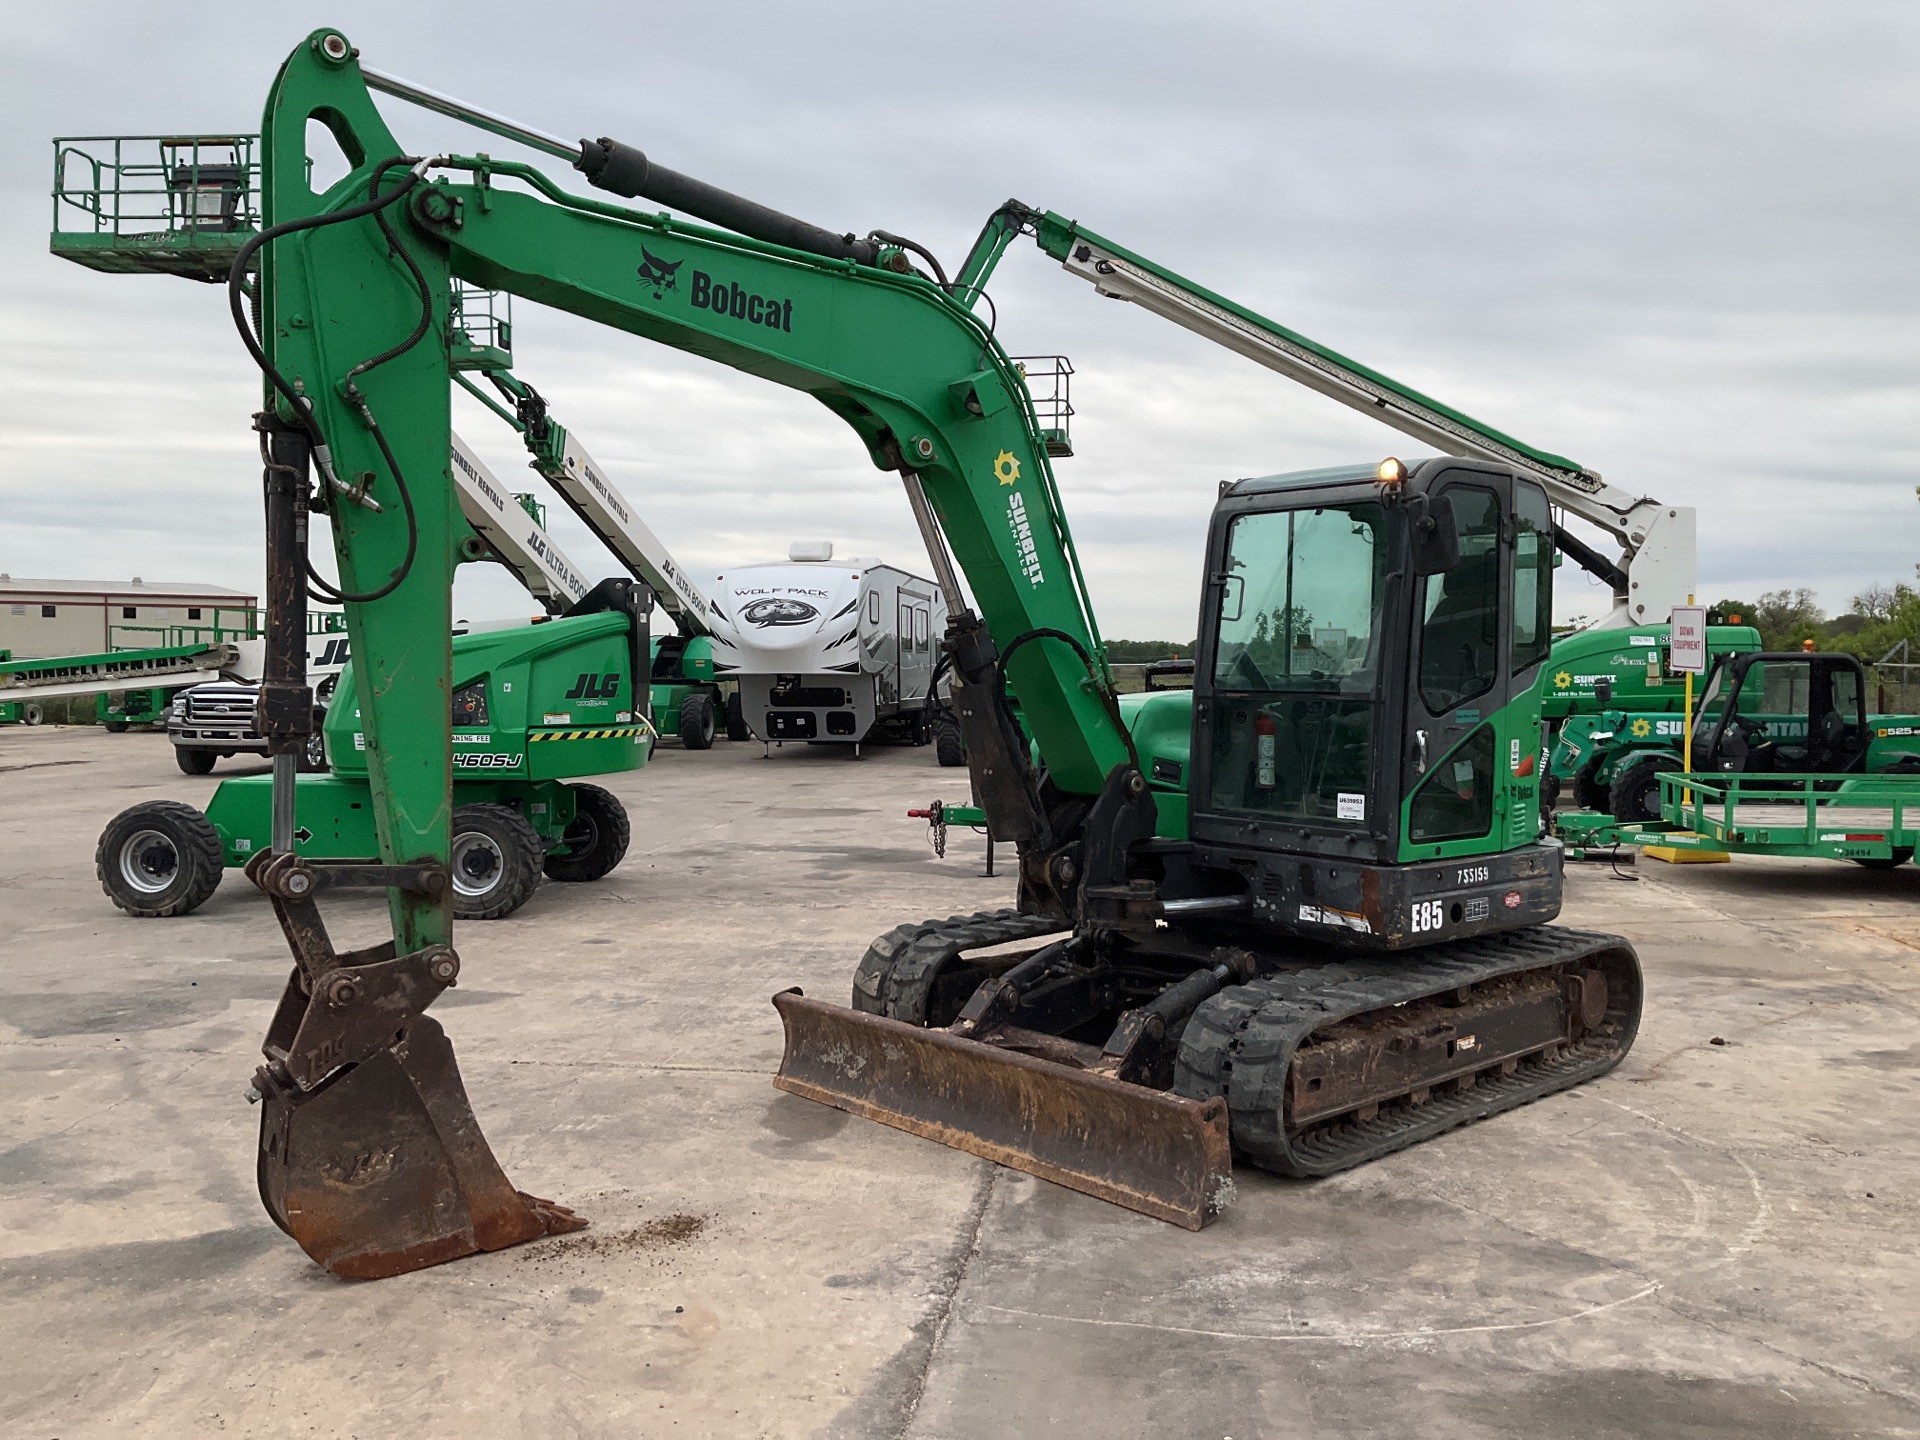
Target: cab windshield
(1297, 661)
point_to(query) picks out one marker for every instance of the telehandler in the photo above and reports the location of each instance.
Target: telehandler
(1302, 914)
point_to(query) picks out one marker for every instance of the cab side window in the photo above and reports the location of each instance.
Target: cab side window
(1532, 577)
(1460, 632)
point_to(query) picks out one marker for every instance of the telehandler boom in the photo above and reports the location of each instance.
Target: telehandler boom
(1318, 937)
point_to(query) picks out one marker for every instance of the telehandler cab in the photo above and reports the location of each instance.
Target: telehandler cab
(1313, 932)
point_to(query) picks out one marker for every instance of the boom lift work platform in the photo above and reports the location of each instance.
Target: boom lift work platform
(1300, 913)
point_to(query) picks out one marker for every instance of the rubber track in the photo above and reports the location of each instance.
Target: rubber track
(896, 975)
(1241, 1042)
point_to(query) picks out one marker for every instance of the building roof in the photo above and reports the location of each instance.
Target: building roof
(119, 589)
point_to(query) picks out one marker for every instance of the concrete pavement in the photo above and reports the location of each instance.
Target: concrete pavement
(1718, 1239)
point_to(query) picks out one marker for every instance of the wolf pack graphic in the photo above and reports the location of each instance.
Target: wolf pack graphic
(660, 274)
(778, 612)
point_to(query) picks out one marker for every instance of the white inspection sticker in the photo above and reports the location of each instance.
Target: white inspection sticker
(1350, 807)
(1345, 919)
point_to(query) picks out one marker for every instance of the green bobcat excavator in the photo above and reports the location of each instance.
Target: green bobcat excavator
(1304, 921)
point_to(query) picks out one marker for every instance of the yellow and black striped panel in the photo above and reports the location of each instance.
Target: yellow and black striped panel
(611, 732)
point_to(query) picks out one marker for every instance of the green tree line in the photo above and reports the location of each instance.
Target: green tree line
(1879, 618)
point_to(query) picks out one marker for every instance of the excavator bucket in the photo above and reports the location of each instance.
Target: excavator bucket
(1143, 1149)
(383, 1169)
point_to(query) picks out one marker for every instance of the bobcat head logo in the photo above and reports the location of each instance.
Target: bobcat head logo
(658, 273)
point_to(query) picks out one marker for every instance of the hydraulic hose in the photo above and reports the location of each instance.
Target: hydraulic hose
(375, 205)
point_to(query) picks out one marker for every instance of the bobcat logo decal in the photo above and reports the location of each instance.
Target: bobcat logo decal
(660, 274)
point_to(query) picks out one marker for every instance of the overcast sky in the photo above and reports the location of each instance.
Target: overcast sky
(1672, 240)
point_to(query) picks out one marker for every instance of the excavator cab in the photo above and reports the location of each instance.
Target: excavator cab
(1365, 712)
(1783, 714)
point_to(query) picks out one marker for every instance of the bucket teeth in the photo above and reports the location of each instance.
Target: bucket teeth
(1159, 1154)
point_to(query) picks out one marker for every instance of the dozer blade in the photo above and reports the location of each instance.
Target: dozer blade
(1143, 1149)
(383, 1169)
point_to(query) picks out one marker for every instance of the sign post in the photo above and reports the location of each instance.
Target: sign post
(1687, 653)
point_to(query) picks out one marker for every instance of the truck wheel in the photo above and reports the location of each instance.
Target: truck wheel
(495, 862)
(737, 727)
(115, 727)
(313, 758)
(947, 748)
(193, 762)
(1588, 792)
(1900, 856)
(597, 839)
(1636, 792)
(159, 858)
(33, 715)
(697, 722)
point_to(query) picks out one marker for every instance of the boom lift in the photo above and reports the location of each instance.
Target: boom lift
(1323, 943)
(1656, 569)
(686, 665)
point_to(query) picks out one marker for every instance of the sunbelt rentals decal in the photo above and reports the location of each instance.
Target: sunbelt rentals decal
(1022, 531)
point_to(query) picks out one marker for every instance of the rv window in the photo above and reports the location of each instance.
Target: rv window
(873, 607)
(920, 629)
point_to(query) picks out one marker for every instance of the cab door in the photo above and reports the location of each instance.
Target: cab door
(1481, 631)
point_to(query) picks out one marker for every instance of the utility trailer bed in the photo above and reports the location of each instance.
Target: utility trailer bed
(1869, 818)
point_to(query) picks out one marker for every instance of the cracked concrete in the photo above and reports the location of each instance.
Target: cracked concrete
(1716, 1240)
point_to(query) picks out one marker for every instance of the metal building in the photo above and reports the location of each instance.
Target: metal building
(85, 617)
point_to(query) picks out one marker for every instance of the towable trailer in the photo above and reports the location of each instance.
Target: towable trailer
(1787, 762)
(833, 651)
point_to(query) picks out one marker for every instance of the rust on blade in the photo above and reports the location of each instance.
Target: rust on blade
(383, 1169)
(1149, 1151)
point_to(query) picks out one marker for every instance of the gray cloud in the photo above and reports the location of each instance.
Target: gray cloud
(1671, 241)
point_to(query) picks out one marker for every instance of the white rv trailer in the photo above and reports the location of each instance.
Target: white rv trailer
(831, 650)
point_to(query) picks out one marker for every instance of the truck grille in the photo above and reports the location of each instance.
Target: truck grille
(220, 707)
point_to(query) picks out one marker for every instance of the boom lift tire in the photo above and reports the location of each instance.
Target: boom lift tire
(115, 727)
(1635, 795)
(737, 727)
(497, 858)
(947, 746)
(194, 762)
(697, 723)
(158, 859)
(597, 839)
